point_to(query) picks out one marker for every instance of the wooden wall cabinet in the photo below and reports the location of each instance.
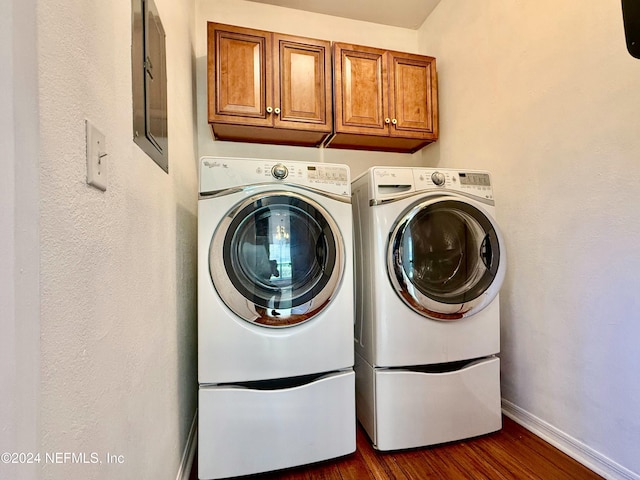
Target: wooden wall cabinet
(266, 87)
(384, 100)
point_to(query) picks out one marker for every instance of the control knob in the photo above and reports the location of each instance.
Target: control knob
(438, 178)
(279, 171)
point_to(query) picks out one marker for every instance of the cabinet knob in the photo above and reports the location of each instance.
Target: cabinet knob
(269, 109)
(276, 111)
(387, 120)
(394, 121)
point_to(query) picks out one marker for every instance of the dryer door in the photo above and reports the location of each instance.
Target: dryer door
(277, 259)
(446, 258)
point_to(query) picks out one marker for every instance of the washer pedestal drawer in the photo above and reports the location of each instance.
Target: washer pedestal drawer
(414, 408)
(244, 430)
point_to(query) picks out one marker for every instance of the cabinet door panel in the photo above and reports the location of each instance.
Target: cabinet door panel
(360, 89)
(303, 88)
(240, 77)
(413, 86)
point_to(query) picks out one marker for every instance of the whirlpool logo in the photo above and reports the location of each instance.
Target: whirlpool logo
(214, 164)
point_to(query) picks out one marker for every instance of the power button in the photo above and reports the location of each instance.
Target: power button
(279, 171)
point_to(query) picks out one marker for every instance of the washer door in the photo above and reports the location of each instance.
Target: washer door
(277, 259)
(446, 258)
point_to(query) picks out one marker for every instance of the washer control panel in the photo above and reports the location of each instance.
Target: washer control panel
(223, 173)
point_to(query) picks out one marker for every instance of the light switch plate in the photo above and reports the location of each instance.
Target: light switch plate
(96, 157)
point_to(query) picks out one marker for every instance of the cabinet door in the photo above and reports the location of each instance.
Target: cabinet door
(414, 96)
(239, 75)
(302, 75)
(360, 90)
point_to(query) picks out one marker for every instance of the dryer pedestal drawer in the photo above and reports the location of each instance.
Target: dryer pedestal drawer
(243, 430)
(414, 408)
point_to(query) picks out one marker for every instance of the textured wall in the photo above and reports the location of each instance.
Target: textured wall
(545, 96)
(118, 312)
(306, 24)
(19, 242)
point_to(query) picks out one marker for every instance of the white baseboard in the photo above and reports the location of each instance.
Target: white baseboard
(582, 453)
(189, 450)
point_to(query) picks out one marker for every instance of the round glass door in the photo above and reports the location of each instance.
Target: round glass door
(444, 259)
(277, 259)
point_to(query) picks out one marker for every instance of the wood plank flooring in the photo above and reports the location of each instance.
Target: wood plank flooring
(511, 453)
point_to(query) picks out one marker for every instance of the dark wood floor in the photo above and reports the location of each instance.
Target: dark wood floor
(512, 453)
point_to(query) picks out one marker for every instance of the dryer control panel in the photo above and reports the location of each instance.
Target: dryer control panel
(470, 182)
(388, 183)
(217, 173)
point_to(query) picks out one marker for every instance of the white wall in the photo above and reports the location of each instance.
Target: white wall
(118, 269)
(293, 22)
(19, 243)
(545, 96)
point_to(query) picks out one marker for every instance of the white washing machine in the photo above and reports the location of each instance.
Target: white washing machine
(430, 261)
(275, 315)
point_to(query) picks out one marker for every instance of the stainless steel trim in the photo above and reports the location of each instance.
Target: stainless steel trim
(272, 316)
(232, 190)
(486, 201)
(421, 303)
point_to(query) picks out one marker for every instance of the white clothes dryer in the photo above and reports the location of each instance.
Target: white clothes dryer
(430, 261)
(275, 315)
